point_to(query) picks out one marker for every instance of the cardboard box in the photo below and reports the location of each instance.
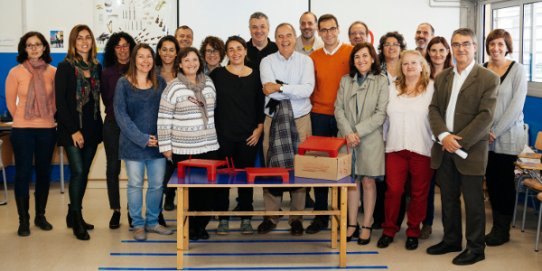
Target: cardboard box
(317, 165)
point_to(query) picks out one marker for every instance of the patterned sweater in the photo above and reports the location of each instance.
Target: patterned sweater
(180, 124)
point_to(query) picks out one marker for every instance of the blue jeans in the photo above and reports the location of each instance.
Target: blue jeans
(155, 173)
(80, 161)
(322, 125)
(32, 145)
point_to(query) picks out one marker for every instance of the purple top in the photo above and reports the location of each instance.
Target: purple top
(110, 76)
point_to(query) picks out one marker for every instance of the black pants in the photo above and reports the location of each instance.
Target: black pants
(243, 156)
(80, 162)
(452, 185)
(199, 199)
(111, 133)
(500, 182)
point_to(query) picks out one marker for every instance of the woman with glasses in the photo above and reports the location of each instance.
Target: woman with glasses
(360, 110)
(79, 123)
(507, 134)
(116, 58)
(239, 123)
(30, 99)
(141, 88)
(213, 52)
(390, 47)
(408, 148)
(186, 127)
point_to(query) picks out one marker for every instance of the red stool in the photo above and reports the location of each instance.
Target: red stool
(210, 165)
(330, 145)
(253, 172)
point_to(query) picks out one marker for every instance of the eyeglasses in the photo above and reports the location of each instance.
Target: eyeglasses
(390, 44)
(122, 47)
(211, 51)
(34, 46)
(465, 44)
(328, 30)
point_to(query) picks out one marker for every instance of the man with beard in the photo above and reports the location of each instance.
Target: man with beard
(424, 33)
(307, 42)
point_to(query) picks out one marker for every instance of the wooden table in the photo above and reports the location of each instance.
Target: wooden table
(197, 178)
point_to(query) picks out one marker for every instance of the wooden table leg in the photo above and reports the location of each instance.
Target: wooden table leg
(182, 225)
(342, 241)
(334, 222)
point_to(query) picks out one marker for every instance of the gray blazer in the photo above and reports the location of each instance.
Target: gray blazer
(371, 99)
(473, 117)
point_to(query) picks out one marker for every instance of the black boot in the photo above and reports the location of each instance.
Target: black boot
(24, 217)
(170, 198)
(500, 232)
(69, 221)
(40, 220)
(79, 229)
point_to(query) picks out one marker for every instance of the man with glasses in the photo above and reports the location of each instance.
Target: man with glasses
(460, 115)
(358, 32)
(424, 33)
(259, 45)
(330, 64)
(308, 42)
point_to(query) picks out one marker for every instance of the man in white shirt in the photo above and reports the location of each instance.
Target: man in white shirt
(308, 41)
(460, 115)
(286, 74)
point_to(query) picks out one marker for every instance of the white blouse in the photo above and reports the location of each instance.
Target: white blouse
(409, 122)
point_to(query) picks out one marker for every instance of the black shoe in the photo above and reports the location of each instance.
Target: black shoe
(79, 229)
(297, 228)
(193, 234)
(130, 220)
(468, 257)
(203, 234)
(442, 248)
(316, 226)
(356, 232)
(114, 222)
(170, 199)
(24, 217)
(384, 241)
(40, 220)
(161, 220)
(411, 243)
(69, 221)
(266, 226)
(362, 241)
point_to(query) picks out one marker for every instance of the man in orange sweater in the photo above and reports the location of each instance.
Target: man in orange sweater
(330, 64)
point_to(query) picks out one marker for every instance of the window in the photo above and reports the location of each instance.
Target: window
(523, 20)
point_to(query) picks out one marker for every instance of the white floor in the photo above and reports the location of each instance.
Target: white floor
(278, 250)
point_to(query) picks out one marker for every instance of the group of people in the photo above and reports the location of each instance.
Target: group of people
(404, 114)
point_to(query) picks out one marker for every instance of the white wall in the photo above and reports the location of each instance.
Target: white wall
(217, 16)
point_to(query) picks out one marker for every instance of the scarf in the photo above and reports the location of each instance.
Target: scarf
(198, 92)
(85, 88)
(37, 104)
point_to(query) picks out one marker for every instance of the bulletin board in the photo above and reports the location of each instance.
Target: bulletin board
(146, 20)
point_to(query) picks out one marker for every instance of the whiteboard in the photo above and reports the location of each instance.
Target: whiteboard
(226, 18)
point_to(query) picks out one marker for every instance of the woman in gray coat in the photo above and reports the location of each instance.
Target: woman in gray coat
(360, 111)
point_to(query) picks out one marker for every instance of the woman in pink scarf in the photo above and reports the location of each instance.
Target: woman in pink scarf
(30, 99)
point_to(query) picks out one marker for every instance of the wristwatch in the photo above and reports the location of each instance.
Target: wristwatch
(281, 88)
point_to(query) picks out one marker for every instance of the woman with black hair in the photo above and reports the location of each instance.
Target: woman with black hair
(30, 99)
(116, 59)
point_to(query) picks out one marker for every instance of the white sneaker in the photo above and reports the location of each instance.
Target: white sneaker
(159, 229)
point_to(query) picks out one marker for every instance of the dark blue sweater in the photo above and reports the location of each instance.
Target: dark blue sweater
(136, 112)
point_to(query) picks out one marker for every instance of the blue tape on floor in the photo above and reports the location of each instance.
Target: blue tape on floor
(243, 254)
(364, 267)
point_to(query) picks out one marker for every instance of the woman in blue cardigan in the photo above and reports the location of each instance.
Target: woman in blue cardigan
(141, 89)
